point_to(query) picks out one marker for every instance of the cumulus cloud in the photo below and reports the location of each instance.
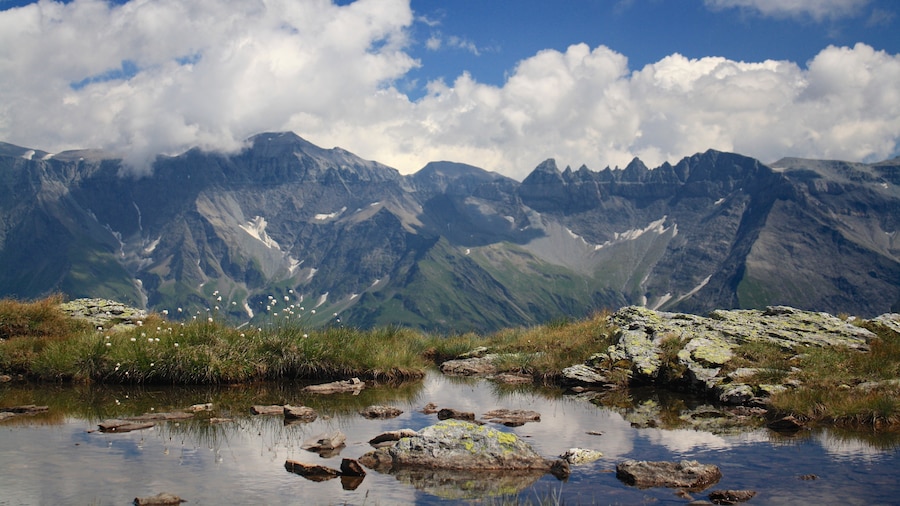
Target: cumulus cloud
(150, 77)
(816, 9)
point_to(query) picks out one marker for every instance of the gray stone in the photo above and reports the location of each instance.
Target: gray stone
(576, 456)
(274, 409)
(458, 445)
(512, 417)
(687, 474)
(380, 412)
(353, 385)
(299, 413)
(476, 366)
(162, 499)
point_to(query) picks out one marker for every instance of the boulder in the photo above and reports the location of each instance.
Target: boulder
(458, 445)
(274, 409)
(576, 456)
(786, 425)
(353, 385)
(448, 413)
(380, 412)
(512, 417)
(731, 496)
(108, 314)
(299, 413)
(687, 474)
(391, 437)
(325, 443)
(312, 472)
(475, 366)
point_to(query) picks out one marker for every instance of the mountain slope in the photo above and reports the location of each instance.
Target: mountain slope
(287, 230)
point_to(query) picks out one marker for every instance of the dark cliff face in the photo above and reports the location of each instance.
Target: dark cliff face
(452, 247)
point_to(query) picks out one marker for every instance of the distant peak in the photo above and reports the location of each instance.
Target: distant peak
(548, 165)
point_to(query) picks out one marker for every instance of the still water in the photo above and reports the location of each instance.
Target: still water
(58, 457)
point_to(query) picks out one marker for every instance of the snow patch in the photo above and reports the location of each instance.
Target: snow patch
(257, 229)
(719, 201)
(47, 156)
(248, 310)
(629, 235)
(28, 155)
(312, 272)
(329, 216)
(294, 263)
(322, 299)
(353, 296)
(375, 283)
(373, 204)
(510, 219)
(152, 246)
(468, 251)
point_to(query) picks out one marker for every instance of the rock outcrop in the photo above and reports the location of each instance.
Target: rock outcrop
(691, 350)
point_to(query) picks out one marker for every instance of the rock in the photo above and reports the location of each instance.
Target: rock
(274, 409)
(146, 417)
(381, 412)
(512, 379)
(25, 409)
(392, 437)
(312, 472)
(476, 366)
(731, 496)
(299, 413)
(353, 385)
(458, 445)
(350, 467)
(584, 374)
(448, 413)
(706, 344)
(197, 408)
(163, 499)
(430, 409)
(512, 417)
(108, 314)
(5, 378)
(787, 424)
(888, 320)
(687, 474)
(327, 442)
(123, 425)
(576, 456)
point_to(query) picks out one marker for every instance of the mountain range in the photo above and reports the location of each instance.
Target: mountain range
(286, 230)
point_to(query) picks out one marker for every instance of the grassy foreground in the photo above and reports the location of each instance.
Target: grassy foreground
(38, 341)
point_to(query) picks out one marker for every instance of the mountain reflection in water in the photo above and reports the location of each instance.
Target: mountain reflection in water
(52, 458)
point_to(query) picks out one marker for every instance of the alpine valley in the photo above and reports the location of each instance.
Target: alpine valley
(451, 248)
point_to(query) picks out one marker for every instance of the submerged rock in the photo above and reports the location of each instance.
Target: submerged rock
(299, 413)
(274, 409)
(382, 412)
(114, 425)
(327, 444)
(687, 474)
(163, 499)
(731, 496)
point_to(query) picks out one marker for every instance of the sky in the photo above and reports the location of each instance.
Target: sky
(502, 85)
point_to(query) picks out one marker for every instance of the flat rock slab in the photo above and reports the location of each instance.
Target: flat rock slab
(163, 499)
(512, 417)
(448, 413)
(117, 426)
(354, 385)
(27, 409)
(325, 442)
(391, 437)
(687, 474)
(312, 472)
(274, 409)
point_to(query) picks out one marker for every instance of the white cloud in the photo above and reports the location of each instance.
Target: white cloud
(162, 76)
(816, 9)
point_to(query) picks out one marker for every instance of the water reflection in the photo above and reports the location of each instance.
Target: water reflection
(52, 458)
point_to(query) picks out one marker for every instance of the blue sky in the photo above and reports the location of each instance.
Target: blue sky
(498, 84)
